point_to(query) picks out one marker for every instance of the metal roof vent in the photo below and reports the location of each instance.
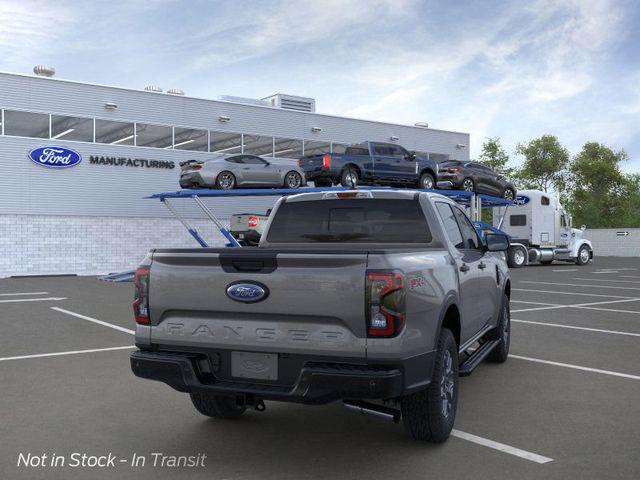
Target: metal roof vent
(44, 71)
(175, 91)
(153, 88)
(291, 102)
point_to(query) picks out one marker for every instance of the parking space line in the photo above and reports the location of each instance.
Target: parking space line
(72, 352)
(606, 280)
(95, 320)
(536, 303)
(27, 293)
(635, 312)
(629, 276)
(534, 309)
(533, 457)
(47, 299)
(567, 270)
(581, 285)
(573, 327)
(569, 293)
(576, 367)
(581, 305)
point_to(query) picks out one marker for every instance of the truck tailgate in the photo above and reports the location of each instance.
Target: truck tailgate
(314, 302)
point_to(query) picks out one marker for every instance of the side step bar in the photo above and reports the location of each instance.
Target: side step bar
(468, 366)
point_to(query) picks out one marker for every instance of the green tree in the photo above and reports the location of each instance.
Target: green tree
(545, 164)
(600, 195)
(494, 156)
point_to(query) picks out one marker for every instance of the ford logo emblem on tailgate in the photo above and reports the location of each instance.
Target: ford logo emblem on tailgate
(247, 292)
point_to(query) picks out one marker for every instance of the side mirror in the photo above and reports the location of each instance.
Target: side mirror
(583, 228)
(496, 242)
(410, 156)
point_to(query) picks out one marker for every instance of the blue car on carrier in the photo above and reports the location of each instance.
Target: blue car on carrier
(371, 163)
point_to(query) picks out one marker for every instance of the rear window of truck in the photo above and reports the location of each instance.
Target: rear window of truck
(365, 220)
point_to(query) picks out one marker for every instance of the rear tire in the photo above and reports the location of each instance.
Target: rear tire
(216, 406)
(509, 194)
(426, 182)
(500, 352)
(292, 180)
(429, 414)
(349, 177)
(225, 180)
(468, 185)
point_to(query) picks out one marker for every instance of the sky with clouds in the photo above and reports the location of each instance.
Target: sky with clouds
(510, 69)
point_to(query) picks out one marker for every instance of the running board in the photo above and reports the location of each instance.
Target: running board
(468, 366)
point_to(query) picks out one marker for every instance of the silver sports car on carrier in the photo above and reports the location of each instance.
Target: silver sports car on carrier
(241, 170)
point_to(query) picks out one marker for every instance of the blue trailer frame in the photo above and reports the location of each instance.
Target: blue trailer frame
(469, 199)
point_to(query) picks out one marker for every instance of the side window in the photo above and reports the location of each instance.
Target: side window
(544, 200)
(253, 160)
(382, 150)
(517, 220)
(469, 233)
(398, 151)
(450, 224)
(238, 159)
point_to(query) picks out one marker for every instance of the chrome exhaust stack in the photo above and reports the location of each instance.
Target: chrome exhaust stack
(379, 411)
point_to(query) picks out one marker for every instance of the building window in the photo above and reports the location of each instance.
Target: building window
(225, 142)
(338, 147)
(71, 128)
(190, 139)
(26, 124)
(257, 145)
(115, 133)
(287, 148)
(157, 136)
(316, 148)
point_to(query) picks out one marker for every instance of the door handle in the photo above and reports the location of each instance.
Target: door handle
(246, 168)
(482, 266)
(464, 267)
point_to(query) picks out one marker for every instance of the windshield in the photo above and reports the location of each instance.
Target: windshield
(361, 220)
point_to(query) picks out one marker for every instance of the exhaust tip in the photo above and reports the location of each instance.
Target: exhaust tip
(371, 409)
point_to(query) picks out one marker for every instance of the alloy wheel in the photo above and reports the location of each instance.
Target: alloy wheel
(467, 185)
(447, 384)
(293, 180)
(226, 181)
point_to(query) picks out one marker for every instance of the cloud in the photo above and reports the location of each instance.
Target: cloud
(30, 29)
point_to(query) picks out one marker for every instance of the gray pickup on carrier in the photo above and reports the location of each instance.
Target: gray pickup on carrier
(380, 299)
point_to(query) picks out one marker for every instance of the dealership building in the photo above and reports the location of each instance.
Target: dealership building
(91, 217)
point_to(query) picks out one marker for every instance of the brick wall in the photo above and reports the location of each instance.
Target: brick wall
(608, 242)
(52, 245)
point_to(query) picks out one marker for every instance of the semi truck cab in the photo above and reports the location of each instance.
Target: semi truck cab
(541, 231)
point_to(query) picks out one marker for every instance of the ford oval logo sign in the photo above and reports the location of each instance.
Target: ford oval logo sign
(521, 200)
(55, 157)
(247, 292)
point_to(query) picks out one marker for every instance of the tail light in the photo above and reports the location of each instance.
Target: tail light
(196, 167)
(298, 163)
(141, 297)
(455, 170)
(385, 303)
(326, 161)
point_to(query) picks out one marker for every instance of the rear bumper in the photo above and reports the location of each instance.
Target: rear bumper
(317, 383)
(319, 173)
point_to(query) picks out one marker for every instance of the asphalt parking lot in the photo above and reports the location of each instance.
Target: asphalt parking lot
(565, 405)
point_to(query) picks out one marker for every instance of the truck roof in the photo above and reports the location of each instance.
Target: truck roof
(402, 194)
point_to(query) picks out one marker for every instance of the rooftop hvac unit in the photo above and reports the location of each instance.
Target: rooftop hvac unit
(43, 71)
(153, 88)
(291, 102)
(175, 91)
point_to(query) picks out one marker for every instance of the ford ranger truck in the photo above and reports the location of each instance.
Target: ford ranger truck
(371, 163)
(379, 299)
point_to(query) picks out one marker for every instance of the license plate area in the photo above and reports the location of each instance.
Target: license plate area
(254, 365)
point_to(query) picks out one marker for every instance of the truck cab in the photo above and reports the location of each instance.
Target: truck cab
(541, 231)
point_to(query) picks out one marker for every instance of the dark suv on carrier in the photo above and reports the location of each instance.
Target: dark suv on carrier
(475, 177)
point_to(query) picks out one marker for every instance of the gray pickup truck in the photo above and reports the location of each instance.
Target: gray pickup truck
(380, 299)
